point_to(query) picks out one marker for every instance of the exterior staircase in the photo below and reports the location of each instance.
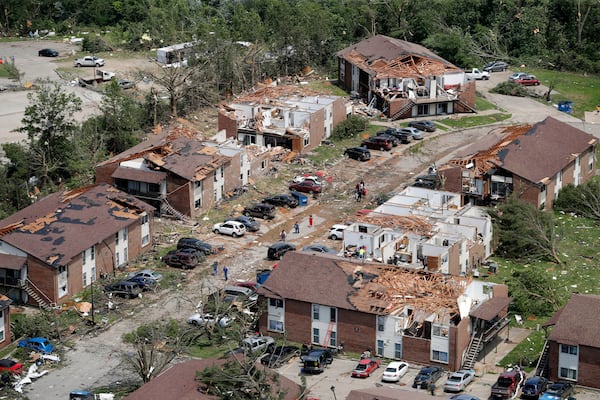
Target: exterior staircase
(465, 105)
(402, 111)
(35, 293)
(166, 208)
(475, 348)
(542, 366)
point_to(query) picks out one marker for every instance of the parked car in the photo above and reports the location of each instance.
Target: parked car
(459, 380)
(319, 248)
(377, 143)
(507, 384)
(401, 136)
(126, 84)
(148, 273)
(258, 343)
(534, 387)
(208, 319)
(464, 397)
(197, 244)
(496, 66)
(306, 186)
(516, 76)
(559, 391)
(47, 53)
(144, 282)
(231, 228)
(124, 289)
(281, 200)
(392, 138)
(8, 365)
(336, 232)
(528, 80)
(427, 375)
(89, 61)
(261, 210)
(39, 344)
(365, 368)
(301, 178)
(316, 361)
(413, 132)
(394, 371)
(250, 223)
(427, 181)
(425, 126)
(246, 296)
(277, 250)
(185, 258)
(357, 153)
(279, 356)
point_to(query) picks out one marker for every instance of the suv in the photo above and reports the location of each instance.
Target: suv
(260, 210)
(358, 153)
(124, 289)
(197, 244)
(377, 143)
(413, 132)
(534, 387)
(425, 126)
(239, 293)
(316, 360)
(284, 200)
(496, 66)
(277, 250)
(393, 139)
(258, 343)
(336, 232)
(250, 223)
(231, 228)
(401, 136)
(427, 376)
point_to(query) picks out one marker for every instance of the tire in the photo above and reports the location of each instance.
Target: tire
(485, 78)
(234, 235)
(332, 237)
(346, 156)
(265, 216)
(381, 148)
(78, 65)
(247, 214)
(216, 231)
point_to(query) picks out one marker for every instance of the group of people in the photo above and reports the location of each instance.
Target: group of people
(215, 267)
(360, 191)
(283, 234)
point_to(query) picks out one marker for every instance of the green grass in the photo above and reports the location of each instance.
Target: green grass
(526, 353)
(328, 87)
(4, 73)
(582, 90)
(482, 104)
(472, 121)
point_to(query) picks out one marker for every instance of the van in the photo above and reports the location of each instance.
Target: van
(316, 361)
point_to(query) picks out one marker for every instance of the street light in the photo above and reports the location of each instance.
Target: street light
(333, 391)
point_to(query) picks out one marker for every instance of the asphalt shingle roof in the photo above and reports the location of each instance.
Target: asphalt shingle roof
(578, 322)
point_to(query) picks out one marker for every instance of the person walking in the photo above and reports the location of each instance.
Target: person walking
(296, 227)
(359, 195)
(215, 268)
(282, 235)
(361, 253)
(432, 388)
(226, 273)
(310, 221)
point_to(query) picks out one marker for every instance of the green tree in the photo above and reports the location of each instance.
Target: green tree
(50, 125)
(583, 200)
(534, 292)
(525, 232)
(352, 126)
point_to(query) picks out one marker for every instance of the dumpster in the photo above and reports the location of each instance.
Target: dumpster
(262, 276)
(302, 199)
(565, 106)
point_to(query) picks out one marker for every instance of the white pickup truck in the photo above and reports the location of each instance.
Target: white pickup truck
(89, 61)
(478, 74)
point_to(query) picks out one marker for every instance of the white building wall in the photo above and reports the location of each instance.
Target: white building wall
(391, 335)
(121, 247)
(569, 361)
(324, 324)
(88, 268)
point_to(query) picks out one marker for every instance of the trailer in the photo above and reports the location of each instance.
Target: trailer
(175, 55)
(101, 76)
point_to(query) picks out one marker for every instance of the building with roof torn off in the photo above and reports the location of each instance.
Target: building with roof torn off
(180, 173)
(531, 162)
(424, 229)
(59, 245)
(293, 117)
(398, 313)
(404, 79)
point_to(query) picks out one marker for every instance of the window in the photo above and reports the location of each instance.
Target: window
(423, 109)
(567, 349)
(84, 279)
(83, 258)
(93, 275)
(333, 338)
(215, 177)
(62, 269)
(380, 323)
(332, 314)
(117, 238)
(440, 331)
(591, 156)
(198, 184)
(315, 312)
(93, 251)
(277, 303)
(315, 335)
(306, 140)
(198, 203)
(397, 350)
(124, 234)
(380, 348)
(568, 373)
(275, 325)
(145, 239)
(222, 171)
(440, 356)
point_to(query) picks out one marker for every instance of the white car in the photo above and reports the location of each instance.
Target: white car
(394, 371)
(336, 232)
(231, 228)
(146, 273)
(209, 320)
(89, 61)
(315, 179)
(459, 380)
(413, 132)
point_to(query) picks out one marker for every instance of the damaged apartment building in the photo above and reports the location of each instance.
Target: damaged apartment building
(531, 162)
(293, 117)
(424, 229)
(397, 313)
(180, 173)
(404, 79)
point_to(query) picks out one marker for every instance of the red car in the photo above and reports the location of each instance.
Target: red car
(528, 80)
(306, 186)
(7, 365)
(365, 367)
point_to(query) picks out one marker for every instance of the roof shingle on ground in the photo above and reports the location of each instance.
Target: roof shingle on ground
(62, 225)
(578, 322)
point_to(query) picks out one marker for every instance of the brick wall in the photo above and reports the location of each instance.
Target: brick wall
(44, 277)
(316, 129)
(459, 341)
(468, 94)
(588, 368)
(104, 173)
(416, 349)
(226, 121)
